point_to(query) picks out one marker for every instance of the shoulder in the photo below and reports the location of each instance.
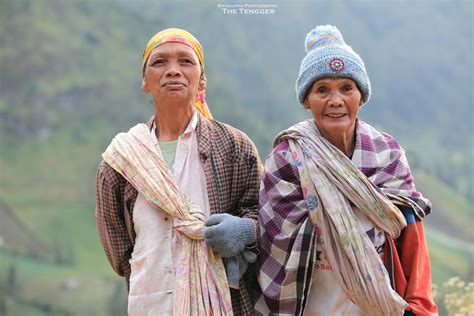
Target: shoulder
(375, 140)
(280, 163)
(108, 173)
(282, 147)
(108, 176)
(281, 154)
(229, 139)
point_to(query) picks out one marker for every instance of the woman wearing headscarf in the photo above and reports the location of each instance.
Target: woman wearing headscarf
(178, 194)
(341, 221)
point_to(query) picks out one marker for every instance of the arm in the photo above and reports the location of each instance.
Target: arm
(110, 221)
(247, 205)
(415, 263)
(283, 223)
(230, 233)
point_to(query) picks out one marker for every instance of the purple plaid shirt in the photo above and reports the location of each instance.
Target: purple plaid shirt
(282, 210)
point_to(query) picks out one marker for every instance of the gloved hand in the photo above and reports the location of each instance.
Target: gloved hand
(235, 267)
(228, 235)
(249, 256)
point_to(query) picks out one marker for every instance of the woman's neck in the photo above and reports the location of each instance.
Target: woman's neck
(171, 121)
(343, 142)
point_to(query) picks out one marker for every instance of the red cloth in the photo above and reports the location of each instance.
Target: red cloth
(410, 270)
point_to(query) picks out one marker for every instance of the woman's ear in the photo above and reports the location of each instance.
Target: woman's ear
(306, 104)
(145, 87)
(202, 82)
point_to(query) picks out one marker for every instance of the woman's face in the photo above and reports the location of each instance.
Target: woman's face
(334, 103)
(172, 72)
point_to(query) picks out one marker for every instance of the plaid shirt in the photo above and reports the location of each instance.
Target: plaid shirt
(232, 168)
(282, 210)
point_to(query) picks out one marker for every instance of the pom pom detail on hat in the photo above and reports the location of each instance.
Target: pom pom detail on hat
(328, 55)
(321, 36)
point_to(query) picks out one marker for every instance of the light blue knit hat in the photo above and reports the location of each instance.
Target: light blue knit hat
(329, 56)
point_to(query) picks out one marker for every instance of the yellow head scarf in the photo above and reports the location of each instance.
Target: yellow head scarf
(175, 35)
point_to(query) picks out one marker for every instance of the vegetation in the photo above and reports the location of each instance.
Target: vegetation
(455, 297)
(70, 80)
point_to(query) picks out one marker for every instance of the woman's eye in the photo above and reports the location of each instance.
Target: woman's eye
(157, 62)
(347, 88)
(321, 90)
(186, 61)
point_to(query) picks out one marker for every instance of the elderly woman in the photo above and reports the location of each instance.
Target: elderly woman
(341, 220)
(176, 195)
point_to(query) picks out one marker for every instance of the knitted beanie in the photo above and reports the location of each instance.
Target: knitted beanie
(329, 56)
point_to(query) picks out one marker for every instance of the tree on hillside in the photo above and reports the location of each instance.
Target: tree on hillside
(12, 280)
(117, 304)
(3, 303)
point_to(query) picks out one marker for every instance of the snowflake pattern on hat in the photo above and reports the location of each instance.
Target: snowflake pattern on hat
(336, 65)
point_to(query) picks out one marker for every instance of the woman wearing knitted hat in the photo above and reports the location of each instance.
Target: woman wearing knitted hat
(178, 195)
(341, 221)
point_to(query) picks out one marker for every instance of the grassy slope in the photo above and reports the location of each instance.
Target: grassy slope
(451, 211)
(449, 257)
(49, 181)
(60, 212)
(449, 230)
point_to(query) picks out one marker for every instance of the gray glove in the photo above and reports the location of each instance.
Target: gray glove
(228, 235)
(235, 267)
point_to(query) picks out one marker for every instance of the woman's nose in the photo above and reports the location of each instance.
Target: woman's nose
(173, 70)
(335, 98)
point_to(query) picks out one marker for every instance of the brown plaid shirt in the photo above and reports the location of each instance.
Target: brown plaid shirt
(233, 170)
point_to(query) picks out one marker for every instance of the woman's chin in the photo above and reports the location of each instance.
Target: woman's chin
(335, 127)
(176, 95)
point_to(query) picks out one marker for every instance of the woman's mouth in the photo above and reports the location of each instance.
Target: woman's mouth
(335, 115)
(174, 85)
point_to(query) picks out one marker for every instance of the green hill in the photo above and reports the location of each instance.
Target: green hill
(16, 238)
(451, 211)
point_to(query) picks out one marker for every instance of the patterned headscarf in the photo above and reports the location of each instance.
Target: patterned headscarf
(174, 35)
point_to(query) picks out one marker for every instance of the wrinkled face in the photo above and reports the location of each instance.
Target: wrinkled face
(334, 103)
(172, 73)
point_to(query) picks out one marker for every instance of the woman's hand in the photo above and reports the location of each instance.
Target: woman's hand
(228, 235)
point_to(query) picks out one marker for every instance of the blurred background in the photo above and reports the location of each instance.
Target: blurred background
(70, 80)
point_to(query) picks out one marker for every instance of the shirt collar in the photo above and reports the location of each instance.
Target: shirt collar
(192, 124)
(189, 129)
